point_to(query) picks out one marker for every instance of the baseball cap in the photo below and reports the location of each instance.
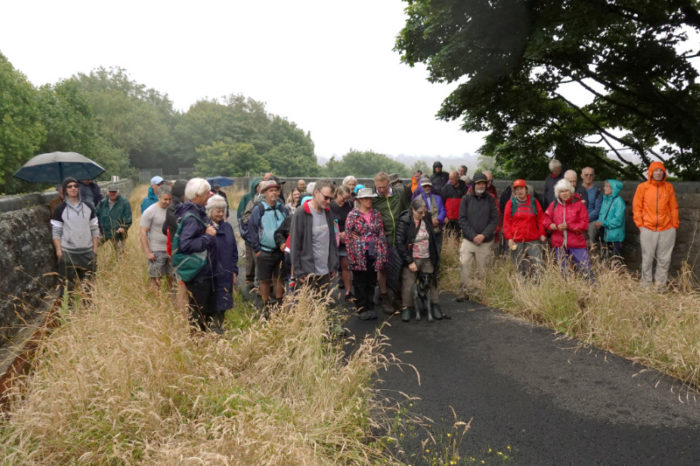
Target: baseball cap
(157, 180)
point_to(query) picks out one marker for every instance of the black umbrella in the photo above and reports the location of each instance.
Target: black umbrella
(54, 167)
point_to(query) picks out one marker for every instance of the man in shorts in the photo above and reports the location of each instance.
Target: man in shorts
(266, 218)
(153, 241)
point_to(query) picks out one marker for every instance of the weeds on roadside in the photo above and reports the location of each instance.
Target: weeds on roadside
(613, 312)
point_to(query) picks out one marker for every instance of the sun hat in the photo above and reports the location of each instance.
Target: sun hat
(265, 185)
(366, 192)
(425, 182)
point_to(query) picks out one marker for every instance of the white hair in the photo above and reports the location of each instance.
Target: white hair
(554, 163)
(310, 187)
(571, 174)
(348, 179)
(563, 185)
(196, 187)
(215, 202)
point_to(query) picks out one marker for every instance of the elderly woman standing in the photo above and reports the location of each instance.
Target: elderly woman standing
(567, 219)
(417, 246)
(523, 229)
(367, 250)
(226, 273)
(196, 236)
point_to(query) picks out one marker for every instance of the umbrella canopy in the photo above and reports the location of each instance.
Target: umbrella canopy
(55, 166)
(222, 181)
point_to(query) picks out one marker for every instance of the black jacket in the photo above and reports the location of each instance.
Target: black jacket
(439, 180)
(406, 236)
(478, 215)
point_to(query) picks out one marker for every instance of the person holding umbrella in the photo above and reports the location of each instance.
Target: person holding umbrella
(75, 233)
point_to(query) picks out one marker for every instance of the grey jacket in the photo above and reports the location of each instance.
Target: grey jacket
(301, 242)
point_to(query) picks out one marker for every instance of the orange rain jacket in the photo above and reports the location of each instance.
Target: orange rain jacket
(654, 206)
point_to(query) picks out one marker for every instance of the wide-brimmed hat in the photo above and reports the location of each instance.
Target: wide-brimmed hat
(365, 192)
(265, 185)
(393, 178)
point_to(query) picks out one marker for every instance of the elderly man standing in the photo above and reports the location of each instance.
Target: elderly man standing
(313, 247)
(478, 219)
(595, 200)
(655, 211)
(114, 215)
(75, 233)
(390, 204)
(572, 177)
(152, 196)
(556, 174)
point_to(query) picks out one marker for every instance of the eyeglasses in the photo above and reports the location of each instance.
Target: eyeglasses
(328, 198)
(586, 174)
(68, 186)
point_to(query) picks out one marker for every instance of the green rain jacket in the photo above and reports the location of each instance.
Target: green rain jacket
(390, 207)
(248, 196)
(111, 219)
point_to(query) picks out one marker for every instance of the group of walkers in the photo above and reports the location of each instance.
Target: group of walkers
(389, 237)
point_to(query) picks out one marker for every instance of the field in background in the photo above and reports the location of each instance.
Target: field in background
(613, 313)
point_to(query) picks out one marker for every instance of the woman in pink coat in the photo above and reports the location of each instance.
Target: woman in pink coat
(567, 219)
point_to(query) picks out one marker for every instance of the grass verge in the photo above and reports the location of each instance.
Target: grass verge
(656, 329)
(122, 380)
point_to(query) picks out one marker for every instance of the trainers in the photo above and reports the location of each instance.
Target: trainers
(367, 315)
(406, 314)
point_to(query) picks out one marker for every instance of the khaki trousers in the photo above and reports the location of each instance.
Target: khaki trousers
(408, 280)
(473, 260)
(656, 245)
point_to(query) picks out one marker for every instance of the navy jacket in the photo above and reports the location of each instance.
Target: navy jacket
(194, 239)
(227, 259)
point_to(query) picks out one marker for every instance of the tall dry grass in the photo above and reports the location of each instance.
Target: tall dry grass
(123, 380)
(614, 313)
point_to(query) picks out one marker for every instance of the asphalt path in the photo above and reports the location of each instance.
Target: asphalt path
(546, 397)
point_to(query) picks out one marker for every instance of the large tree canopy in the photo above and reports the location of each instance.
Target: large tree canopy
(364, 165)
(514, 59)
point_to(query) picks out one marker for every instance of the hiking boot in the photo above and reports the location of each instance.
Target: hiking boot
(406, 314)
(386, 304)
(436, 311)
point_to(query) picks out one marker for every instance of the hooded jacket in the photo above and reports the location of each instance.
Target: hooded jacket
(478, 214)
(150, 199)
(193, 238)
(390, 207)
(525, 224)
(115, 217)
(612, 214)
(247, 197)
(575, 214)
(227, 259)
(654, 206)
(439, 180)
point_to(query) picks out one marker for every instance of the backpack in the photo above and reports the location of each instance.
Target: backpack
(245, 218)
(514, 206)
(187, 266)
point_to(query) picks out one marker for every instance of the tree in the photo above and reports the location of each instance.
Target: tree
(421, 165)
(364, 165)
(513, 57)
(229, 158)
(21, 131)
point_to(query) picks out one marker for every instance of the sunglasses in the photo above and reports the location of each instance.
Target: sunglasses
(328, 198)
(71, 186)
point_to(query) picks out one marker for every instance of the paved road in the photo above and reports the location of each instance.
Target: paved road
(524, 387)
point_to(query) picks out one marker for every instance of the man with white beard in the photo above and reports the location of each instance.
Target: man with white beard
(478, 218)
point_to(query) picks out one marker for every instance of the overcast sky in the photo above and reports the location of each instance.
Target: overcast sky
(326, 65)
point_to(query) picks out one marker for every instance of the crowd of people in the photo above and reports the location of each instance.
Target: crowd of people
(386, 238)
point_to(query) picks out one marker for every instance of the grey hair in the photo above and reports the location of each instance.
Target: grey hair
(571, 173)
(563, 185)
(319, 185)
(342, 190)
(554, 163)
(348, 179)
(196, 187)
(418, 204)
(164, 189)
(215, 202)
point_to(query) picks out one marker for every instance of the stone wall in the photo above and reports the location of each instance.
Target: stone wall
(27, 259)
